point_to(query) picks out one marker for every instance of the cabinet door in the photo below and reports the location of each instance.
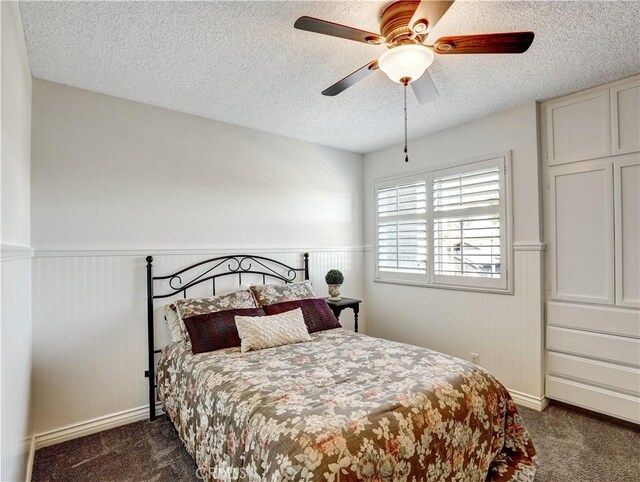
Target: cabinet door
(625, 118)
(626, 172)
(578, 128)
(581, 198)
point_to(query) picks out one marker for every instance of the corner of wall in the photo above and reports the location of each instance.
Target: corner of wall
(15, 258)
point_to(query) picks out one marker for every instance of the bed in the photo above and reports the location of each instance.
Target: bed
(341, 407)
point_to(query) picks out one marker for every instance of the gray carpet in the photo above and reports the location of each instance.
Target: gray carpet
(573, 446)
(578, 446)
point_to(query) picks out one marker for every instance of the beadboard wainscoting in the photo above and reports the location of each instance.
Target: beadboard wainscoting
(506, 331)
(90, 329)
(16, 360)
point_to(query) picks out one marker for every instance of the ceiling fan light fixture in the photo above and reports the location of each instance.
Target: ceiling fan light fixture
(406, 61)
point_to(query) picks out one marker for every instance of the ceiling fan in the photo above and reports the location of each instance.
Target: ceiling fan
(404, 28)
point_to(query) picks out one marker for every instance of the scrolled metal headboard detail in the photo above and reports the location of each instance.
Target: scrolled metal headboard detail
(208, 271)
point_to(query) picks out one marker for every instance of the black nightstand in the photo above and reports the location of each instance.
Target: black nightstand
(341, 304)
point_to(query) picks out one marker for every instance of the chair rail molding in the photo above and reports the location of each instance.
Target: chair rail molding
(84, 251)
(530, 246)
(11, 252)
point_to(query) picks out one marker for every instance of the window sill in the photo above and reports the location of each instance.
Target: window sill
(420, 284)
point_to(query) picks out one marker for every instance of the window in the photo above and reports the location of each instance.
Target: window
(445, 228)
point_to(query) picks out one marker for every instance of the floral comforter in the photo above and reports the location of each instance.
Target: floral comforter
(343, 407)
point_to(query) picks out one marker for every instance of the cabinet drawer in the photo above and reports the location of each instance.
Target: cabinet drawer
(626, 379)
(603, 319)
(616, 349)
(598, 399)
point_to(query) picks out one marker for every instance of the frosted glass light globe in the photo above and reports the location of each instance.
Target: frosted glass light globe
(406, 61)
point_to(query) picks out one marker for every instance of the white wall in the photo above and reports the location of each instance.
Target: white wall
(15, 284)
(110, 172)
(114, 180)
(16, 129)
(505, 330)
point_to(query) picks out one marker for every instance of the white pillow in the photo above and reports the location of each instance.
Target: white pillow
(172, 319)
(258, 332)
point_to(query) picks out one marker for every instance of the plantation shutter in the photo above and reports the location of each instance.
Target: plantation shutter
(402, 228)
(467, 228)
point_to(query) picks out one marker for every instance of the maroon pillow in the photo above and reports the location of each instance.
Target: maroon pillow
(317, 314)
(215, 331)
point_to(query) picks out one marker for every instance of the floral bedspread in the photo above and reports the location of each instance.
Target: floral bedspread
(343, 407)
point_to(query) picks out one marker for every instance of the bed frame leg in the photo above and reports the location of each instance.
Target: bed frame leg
(151, 373)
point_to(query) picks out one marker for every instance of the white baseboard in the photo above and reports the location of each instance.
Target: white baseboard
(529, 401)
(31, 441)
(92, 426)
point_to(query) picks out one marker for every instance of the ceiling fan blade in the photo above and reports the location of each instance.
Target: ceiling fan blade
(424, 88)
(317, 25)
(351, 79)
(431, 11)
(490, 43)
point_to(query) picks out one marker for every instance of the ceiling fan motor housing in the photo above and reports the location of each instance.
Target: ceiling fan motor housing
(394, 23)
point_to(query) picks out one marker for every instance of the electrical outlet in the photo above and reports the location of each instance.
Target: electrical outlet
(475, 358)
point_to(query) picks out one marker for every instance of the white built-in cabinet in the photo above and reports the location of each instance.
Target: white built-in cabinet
(591, 169)
(626, 187)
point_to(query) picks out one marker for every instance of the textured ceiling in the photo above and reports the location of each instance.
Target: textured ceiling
(244, 63)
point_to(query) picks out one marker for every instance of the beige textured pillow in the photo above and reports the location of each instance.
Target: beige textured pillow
(258, 332)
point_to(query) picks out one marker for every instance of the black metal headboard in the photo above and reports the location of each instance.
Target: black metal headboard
(208, 271)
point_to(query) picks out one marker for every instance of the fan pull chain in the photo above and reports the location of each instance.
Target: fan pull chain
(406, 156)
